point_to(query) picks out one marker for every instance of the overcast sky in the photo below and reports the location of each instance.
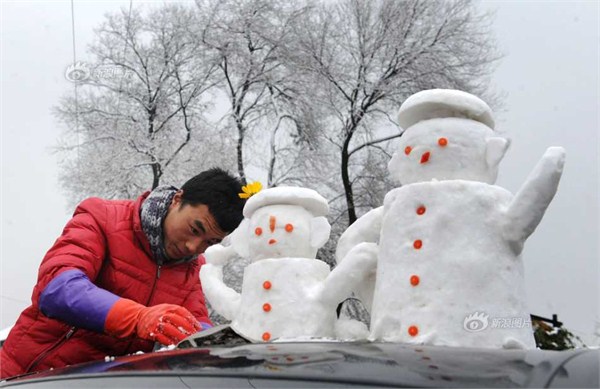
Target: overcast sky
(550, 75)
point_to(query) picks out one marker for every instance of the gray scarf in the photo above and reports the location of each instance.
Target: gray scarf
(152, 214)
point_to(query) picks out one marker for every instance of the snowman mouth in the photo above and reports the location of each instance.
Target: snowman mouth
(425, 157)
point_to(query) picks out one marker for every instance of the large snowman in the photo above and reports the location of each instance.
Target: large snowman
(286, 292)
(450, 242)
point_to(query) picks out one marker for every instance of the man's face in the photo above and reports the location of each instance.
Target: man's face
(189, 229)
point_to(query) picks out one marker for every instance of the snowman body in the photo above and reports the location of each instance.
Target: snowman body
(449, 267)
(286, 292)
(443, 258)
(282, 298)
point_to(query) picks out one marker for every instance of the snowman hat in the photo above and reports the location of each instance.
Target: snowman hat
(287, 195)
(443, 103)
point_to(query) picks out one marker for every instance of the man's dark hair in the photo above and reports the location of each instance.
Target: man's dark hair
(218, 190)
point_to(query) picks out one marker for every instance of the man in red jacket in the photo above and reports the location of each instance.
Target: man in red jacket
(123, 275)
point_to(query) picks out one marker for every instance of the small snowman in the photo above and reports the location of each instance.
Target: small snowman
(286, 292)
(449, 267)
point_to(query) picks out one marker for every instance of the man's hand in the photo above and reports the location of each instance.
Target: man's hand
(164, 323)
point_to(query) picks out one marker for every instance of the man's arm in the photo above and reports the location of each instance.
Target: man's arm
(75, 257)
(71, 297)
(81, 246)
(65, 290)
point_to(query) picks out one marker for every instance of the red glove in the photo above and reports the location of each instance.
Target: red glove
(164, 323)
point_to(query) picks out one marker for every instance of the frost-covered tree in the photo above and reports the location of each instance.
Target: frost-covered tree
(360, 59)
(272, 121)
(141, 124)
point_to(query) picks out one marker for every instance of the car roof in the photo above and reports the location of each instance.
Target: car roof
(327, 364)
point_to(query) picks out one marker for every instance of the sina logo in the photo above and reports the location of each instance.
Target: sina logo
(77, 72)
(476, 322)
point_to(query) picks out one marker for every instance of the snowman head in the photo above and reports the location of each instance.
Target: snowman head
(449, 135)
(283, 222)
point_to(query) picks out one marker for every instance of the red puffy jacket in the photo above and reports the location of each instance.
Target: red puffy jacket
(104, 239)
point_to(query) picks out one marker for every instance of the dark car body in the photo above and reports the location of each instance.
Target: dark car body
(328, 364)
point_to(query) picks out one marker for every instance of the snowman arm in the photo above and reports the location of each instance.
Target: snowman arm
(365, 229)
(528, 206)
(356, 266)
(222, 298)
(219, 254)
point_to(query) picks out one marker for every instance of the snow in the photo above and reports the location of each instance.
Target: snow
(347, 329)
(449, 240)
(225, 300)
(443, 103)
(471, 152)
(308, 233)
(366, 229)
(286, 292)
(463, 265)
(219, 254)
(440, 263)
(167, 348)
(297, 306)
(303, 197)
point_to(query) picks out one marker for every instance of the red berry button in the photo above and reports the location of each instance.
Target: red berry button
(413, 330)
(414, 280)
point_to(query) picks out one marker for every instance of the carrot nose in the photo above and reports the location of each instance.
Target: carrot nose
(272, 241)
(425, 157)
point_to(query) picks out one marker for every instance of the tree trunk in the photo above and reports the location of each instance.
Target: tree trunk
(156, 173)
(240, 155)
(347, 183)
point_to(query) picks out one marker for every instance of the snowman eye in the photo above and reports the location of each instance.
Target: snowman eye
(443, 142)
(407, 150)
(258, 231)
(289, 227)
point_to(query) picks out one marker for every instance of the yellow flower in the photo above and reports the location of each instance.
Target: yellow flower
(250, 189)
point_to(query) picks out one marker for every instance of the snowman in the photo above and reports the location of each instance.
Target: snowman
(449, 267)
(286, 292)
